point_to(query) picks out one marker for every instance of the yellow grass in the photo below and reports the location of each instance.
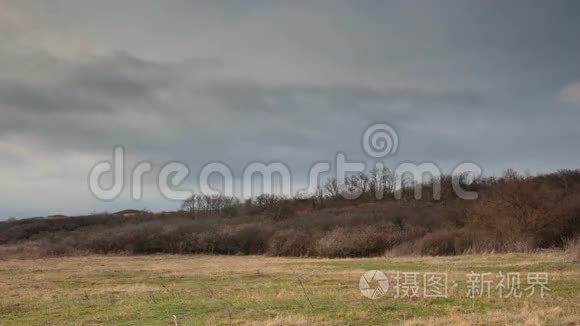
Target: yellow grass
(256, 290)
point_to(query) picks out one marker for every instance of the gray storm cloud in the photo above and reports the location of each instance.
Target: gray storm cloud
(294, 81)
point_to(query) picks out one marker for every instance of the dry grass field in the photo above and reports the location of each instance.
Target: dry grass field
(241, 290)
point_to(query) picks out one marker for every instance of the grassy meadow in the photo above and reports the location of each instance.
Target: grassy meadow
(242, 290)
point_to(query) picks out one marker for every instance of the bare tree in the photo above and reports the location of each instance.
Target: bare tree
(211, 205)
(332, 188)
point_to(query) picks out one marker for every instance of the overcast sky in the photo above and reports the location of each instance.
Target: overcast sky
(495, 82)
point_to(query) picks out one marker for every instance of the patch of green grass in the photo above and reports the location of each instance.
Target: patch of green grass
(377, 264)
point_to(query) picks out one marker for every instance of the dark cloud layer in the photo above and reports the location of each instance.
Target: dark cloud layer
(295, 81)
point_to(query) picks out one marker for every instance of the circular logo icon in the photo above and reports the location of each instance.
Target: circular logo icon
(373, 284)
(380, 140)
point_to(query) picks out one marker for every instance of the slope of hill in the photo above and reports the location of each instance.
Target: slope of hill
(512, 214)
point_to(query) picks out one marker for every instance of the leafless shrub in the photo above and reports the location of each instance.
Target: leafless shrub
(513, 213)
(292, 242)
(358, 241)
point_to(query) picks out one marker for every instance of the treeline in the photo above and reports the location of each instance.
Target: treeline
(513, 213)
